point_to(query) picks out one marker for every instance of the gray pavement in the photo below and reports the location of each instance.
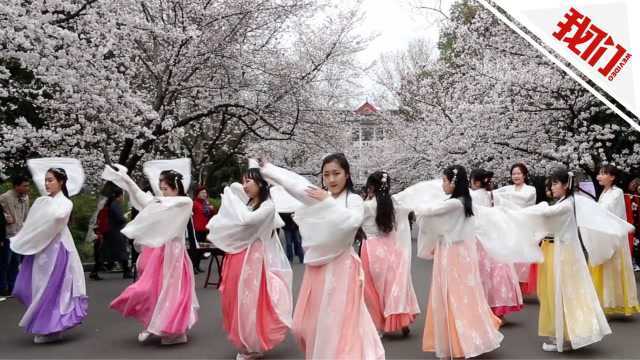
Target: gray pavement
(105, 334)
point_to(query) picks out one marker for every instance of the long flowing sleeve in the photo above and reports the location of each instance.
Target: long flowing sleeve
(602, 231)
(328, 228)
(235, 226)
(403, 228)
(292, 183)
(47, 218)
(507, 196)
(421, 194)
(139, 199)
(438, 208)
(441, 221)
(161, 220)
(511, 236)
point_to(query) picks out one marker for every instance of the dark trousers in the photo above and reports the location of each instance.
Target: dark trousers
(98, 262)
(194, 254)
(9, 264)
(293, 244)
(98, 259)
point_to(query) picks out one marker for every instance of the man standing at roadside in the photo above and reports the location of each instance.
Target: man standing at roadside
(15, 205)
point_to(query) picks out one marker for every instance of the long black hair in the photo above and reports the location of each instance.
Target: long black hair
(457, 175)
(61, 175)
(564, 176)
(173, 179)
(342, 161)
(484, 177)
(116, 193)
(263, 186)
(379, 184)
(612, 170)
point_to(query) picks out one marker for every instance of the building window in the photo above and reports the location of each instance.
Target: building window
(367, 134)
(379, 134)
(355, 134)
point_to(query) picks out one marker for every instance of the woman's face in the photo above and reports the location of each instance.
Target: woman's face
(203, 195)
(605, 179)
(334, 177)
(447, 185)
(167, 190)
(250, 187)
(517, 177)
(475, 184)
(51, 185)
(558, 189)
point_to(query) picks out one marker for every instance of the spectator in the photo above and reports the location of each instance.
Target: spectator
(293, 243)
(114, 241)
(203, 211)
(102, 227)
(15, 204)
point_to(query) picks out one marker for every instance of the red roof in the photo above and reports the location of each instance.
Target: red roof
(366, 108)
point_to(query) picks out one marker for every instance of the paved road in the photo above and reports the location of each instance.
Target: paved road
(105, 334)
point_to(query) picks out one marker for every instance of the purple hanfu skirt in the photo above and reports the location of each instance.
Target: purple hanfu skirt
(45, 285)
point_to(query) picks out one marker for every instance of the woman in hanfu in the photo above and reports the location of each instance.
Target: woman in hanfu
(614, 280)
(386, 258)
(50, 282)
(163, 297)
(256, 298)
(518, 196)
(331, 320)
(570, 312)
(459, 321)
(499, 280)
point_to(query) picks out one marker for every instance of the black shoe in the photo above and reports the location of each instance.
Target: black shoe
(95, 276)
(405, 331)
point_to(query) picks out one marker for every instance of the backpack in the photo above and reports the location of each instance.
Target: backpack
(103, 221)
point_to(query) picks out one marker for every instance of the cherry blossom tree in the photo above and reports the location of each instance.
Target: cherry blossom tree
(488, 99)
(124, 81)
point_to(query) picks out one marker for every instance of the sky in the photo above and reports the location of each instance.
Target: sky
(396, 23)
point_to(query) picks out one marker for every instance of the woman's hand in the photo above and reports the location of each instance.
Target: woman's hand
(262, 161)
(316, 193)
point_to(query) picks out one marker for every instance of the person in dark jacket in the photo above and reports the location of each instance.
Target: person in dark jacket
(293, 243)
(115, 243)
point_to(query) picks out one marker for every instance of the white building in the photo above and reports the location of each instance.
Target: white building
(368, 142)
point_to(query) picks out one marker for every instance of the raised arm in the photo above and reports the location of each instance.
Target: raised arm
(563, 207)
(439, 208)
(139, 198)
(293, 183)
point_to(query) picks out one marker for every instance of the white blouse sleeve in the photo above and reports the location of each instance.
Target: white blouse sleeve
(139, 199)
(292, 183)
(235, 226)
(328, 228)
(161, 220)
(439, 208)
(47, 218)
